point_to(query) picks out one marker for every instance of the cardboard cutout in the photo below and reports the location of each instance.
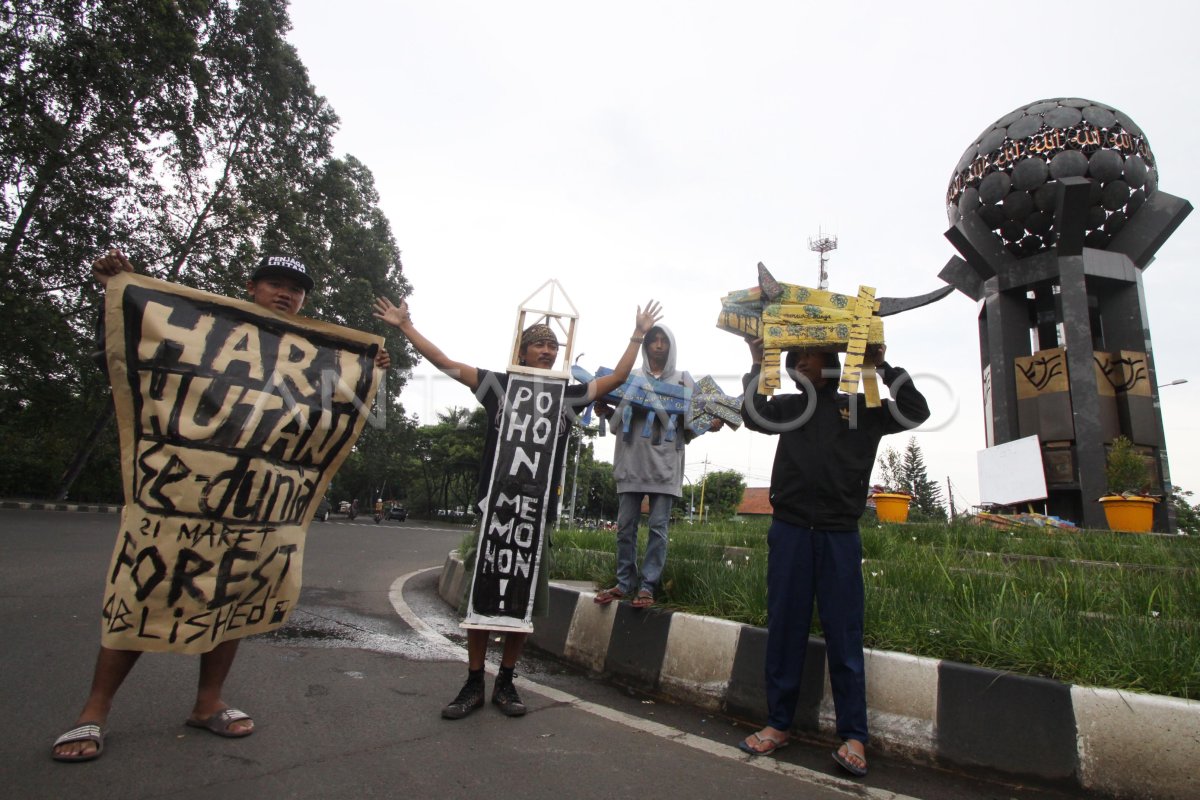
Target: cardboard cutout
(787, 316)
(523, 474)
(693, 406)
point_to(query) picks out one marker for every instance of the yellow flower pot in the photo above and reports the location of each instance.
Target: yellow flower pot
(1132, 514)
(891, 507)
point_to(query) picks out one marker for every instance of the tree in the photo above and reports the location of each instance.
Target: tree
(1187, 516)
(723, 492)
(441, 468)
(906, 473)
(382, 465)
(927, 494)
(891, 470)
(599, 489)
(593, 484)
(188, 134)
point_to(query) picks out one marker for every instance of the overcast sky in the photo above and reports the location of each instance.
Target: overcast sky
(637, 150)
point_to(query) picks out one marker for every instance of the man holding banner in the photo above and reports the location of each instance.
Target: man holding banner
(233, 417)
(538, 349)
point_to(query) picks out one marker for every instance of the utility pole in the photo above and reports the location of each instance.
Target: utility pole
(950, 497)
(692, 499)
(702, 482)
(575, 473)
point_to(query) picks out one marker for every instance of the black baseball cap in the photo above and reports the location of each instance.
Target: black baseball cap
(285, 267)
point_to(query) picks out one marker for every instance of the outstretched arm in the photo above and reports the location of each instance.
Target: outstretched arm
(645, 321)
(398, 317)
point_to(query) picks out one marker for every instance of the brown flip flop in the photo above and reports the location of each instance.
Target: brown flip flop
(221, 723)
(605, 597)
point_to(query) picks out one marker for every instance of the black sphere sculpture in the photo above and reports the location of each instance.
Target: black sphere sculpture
(1010, 174)
(1056, 213)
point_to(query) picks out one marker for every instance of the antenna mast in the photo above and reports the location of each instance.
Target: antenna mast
(822, 245)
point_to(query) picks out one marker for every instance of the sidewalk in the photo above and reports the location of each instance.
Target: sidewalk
(46, 505)
(925, 710)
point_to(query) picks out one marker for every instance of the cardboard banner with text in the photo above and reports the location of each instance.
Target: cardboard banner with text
(232, 420)
(511, 531)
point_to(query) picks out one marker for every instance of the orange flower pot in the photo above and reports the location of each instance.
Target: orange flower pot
(1131, 514)
(891, 507)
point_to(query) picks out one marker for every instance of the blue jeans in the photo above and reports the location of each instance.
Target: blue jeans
(804, 564)
(629, 513)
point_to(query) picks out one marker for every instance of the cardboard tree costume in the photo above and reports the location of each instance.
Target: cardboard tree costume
(521, 483)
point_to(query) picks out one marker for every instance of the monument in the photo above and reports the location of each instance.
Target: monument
(1056, 213)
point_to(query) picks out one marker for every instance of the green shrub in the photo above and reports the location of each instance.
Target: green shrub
(1125, 470)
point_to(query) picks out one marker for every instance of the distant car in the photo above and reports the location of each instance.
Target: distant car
(323, 509)
(397, 512)
(344, 507)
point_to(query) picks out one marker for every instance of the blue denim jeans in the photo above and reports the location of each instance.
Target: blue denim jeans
(804, 565)
(629, 514)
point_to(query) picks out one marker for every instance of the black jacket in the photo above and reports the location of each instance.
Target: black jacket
(822, 467)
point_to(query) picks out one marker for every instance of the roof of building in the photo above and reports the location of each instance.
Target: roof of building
(755, 500)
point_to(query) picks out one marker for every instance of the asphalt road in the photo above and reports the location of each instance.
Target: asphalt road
(346, 698)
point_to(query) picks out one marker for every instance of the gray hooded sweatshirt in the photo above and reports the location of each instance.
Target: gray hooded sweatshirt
(651, 463)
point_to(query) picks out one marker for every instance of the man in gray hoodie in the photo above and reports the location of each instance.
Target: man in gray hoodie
(648, 462)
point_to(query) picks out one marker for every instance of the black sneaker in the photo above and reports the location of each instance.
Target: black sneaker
(470, 697)
(505, 697)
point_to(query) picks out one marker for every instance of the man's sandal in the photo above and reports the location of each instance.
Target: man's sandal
(87, 732)
(606, 596)
(643, 600)
(762, 746)
(851, 761)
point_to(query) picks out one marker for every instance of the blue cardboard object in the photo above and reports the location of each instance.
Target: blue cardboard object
(697, 407)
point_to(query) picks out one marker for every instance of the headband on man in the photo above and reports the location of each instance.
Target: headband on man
(537, 333)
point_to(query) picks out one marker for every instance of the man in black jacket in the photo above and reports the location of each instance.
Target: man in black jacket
(819, 483)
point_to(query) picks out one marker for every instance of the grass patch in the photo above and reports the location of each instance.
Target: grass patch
(1092, 608)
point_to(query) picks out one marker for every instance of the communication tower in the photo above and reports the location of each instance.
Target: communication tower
(822, 246)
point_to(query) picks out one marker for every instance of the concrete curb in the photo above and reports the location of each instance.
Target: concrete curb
(22, 505)
(1121, 744)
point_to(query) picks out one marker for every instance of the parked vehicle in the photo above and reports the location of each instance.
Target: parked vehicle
(397, 512)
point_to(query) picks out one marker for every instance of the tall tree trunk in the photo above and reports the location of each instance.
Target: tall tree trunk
(17, 236)
(55, 162)
(197, 228)
(84, 451)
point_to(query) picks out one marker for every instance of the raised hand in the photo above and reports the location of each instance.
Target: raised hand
(647, 319)
(394, 315)
(111, 263)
